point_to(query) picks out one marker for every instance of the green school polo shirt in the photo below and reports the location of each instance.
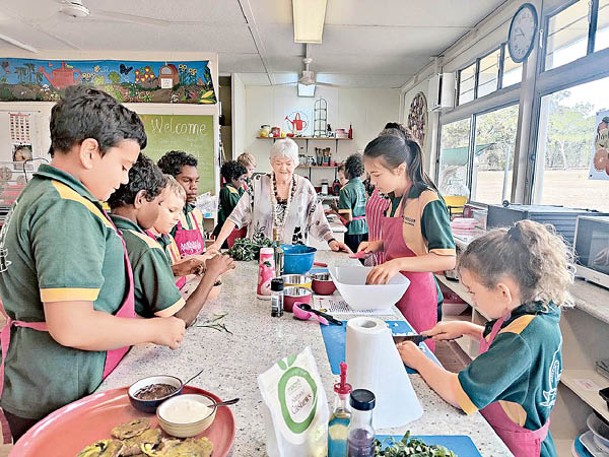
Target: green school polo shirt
(58, 247)
(229, 197)
(521, 369)
(156, 293)
(352, 197)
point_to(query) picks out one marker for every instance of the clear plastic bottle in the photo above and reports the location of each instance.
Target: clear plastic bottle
(340, 418)
(278, 252)
(360, 437)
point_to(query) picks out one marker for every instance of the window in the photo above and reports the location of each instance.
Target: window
(567, 35)
(467, 82)
(488, 74)
(565, 147)
(454, 154)
(512, 71)
(493, 163)
(602, 26)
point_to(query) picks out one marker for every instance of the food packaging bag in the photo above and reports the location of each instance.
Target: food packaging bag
(296, 408)
(375, 364)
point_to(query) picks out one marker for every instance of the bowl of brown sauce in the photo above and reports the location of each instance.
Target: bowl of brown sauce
(148, 393)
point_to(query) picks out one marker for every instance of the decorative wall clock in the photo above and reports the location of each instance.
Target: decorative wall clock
(417, 118)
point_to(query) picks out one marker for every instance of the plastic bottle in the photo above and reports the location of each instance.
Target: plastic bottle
(266, 272)
(360, 436)
(277, 253)
(276, 297)
(341, 416)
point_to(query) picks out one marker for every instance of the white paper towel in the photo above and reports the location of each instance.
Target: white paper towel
(375, 364)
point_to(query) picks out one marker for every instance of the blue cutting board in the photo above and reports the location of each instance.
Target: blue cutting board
(462, 445)
(335, 337)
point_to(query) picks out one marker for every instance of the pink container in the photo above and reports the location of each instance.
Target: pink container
(293, 295)
(266, 272)
(323, 284)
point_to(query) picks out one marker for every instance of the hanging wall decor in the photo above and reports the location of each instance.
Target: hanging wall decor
(127, 81)
(417, 118)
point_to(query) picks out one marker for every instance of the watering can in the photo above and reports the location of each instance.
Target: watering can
(62, 77)
(298, 124)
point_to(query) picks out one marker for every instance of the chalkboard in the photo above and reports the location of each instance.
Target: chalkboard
(191, 134)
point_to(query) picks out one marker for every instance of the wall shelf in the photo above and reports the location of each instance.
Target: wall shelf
(316, 138)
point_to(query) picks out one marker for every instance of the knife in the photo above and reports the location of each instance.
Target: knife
(416, 339)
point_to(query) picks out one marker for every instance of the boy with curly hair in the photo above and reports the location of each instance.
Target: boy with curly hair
(234, 174)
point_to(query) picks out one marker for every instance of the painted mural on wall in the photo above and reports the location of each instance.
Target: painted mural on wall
(127, 81)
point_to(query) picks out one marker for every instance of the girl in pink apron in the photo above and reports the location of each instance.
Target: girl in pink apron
(417, 239)
(519, 278)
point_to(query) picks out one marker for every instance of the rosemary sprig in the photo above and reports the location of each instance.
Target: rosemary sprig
(215, 324)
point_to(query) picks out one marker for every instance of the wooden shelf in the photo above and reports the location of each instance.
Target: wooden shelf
(590, 396)
(330, 167)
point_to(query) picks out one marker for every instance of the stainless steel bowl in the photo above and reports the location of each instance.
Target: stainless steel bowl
(295, 280)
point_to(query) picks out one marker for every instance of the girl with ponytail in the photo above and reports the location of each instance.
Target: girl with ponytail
(519, 278)
(417, 239)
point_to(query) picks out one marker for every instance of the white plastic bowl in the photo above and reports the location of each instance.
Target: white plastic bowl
(351, 284)
(600, 430)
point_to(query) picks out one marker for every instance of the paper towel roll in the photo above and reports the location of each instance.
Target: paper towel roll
(375, 364)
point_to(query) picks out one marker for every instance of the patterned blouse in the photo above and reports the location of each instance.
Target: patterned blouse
(305, 215)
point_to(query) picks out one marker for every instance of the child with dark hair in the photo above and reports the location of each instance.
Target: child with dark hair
(519, 278)
(135, 208)
(65, 279)
(416, 235)
(234, 174)
(189, 233)
(352, 202)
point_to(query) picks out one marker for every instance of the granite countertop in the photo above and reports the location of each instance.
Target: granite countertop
(258, 341)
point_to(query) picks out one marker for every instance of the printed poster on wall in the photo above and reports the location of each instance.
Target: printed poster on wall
(127, 81)
(599, 168)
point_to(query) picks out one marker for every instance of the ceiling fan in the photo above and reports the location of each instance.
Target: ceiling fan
(307, 77)
(78, 10)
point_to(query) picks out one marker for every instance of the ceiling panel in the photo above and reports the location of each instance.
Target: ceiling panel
(385, 64)
(410, 12)
(247, 63)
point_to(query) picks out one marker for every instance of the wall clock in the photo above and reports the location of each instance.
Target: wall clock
(417, 118)
(523, 29)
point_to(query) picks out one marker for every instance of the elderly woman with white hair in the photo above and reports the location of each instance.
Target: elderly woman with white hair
(281, 200)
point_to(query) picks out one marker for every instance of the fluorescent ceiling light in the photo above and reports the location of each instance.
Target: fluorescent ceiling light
(308, 17)
(306, 90)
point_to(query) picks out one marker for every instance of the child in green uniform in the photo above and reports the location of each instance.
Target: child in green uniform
(352, 202)
(520, 278)
(189, 232)
(64, 281)
(234, 174)
(135, 208)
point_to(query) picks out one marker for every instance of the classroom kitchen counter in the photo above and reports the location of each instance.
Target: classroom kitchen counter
(234, 362)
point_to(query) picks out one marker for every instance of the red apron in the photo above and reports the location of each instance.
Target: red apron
(113, 357)
(419, 304)
(175, 257)
(521, 441)
(189, 241)
(236, 234)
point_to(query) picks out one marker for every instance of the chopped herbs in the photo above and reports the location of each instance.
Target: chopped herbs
(411, 448)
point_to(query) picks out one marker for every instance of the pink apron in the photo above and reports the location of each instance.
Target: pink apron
(180, 281)
(113, 357)
(419, 304)
(521, 441)
(190, 242)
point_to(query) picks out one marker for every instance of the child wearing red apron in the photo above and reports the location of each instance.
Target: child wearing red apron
(417, 238)
(352, 202)
(65, 280)
(519, 278)
(135, 208)
(189, 232)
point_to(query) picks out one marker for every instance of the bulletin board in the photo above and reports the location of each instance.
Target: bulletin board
(193, 134)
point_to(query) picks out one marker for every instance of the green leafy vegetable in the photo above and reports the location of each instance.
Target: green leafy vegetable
(246, 249)
(411, 448)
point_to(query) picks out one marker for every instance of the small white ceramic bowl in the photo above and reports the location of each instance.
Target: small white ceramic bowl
(191, 425)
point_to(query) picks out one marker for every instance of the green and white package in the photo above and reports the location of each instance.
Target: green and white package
(296, 408)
